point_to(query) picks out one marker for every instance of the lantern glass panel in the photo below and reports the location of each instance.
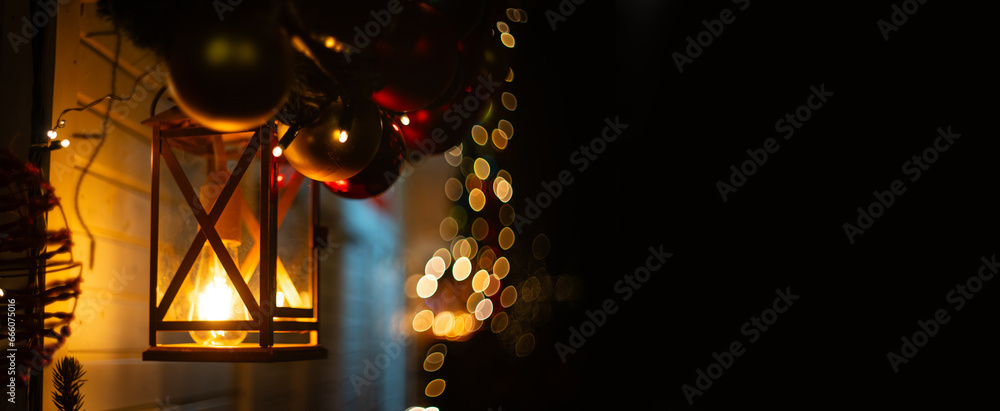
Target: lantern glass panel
(207, 293)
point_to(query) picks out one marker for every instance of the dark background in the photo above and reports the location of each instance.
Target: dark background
(656, 185)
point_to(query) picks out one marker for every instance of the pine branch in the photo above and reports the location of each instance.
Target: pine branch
(67, 380)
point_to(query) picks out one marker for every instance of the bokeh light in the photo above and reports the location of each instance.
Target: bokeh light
(435, 267)
(499, 322)
(501, 267)
(445, 256)
(506, 238)
(439, 347)
(480, 281)
(477, 200)
(486, 257)
(454, 156)
(426, 286)
(530, 289)
(443, 323)
(507, 39)
(508, 100)
(462, 268)
(482, 168)
(525, 345)
(499, 139)
(503, 190)
(506, 214)
(423, 321)
(448, 228)
(507, 128)
(473, 301)
(484, 309)
(479, 134)
(453, 189)
(508, 296)
(480, 228)
(434, 388)
(493, 286)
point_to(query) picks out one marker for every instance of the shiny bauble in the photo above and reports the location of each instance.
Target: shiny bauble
(414, 61)
(328, 150)
(229, 75)
(383, 170)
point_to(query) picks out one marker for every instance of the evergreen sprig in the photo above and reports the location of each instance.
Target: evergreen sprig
(68, 379)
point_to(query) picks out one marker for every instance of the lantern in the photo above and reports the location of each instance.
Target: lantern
(232, 264)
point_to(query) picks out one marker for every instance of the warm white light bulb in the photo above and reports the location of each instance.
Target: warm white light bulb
(52, 134)
(405, 120)
(276, 151)
(215, 299)
(64, 143)
(343, 136)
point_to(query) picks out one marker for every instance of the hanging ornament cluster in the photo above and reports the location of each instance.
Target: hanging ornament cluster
(361, 85)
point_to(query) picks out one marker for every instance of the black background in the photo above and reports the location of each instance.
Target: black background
(656, 185)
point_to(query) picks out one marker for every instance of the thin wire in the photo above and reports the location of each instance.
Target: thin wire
(97, 148)
(111, 96)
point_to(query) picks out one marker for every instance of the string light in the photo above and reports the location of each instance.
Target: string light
(51, 145)
(405, 120)
(276, 151)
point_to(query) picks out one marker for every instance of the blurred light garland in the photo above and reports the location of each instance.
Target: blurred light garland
(478, 277)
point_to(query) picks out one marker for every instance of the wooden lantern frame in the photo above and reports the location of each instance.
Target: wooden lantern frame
(266, 318)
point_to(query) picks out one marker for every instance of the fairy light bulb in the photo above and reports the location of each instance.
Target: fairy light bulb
(276, 151)
(405, 120)
(52, 134)
(216, 299)
(342, 136)
(64, 143)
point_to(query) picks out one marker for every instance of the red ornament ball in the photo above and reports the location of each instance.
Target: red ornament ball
(414, 60)
(383, 170)
(328, 150)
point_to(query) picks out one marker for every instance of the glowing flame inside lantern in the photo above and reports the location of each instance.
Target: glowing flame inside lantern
(216, 300)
